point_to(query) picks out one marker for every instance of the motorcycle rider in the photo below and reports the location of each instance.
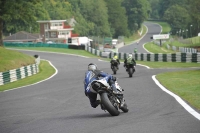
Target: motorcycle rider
(93, 74)
(128, 61)
(113, 60)
(135, 50)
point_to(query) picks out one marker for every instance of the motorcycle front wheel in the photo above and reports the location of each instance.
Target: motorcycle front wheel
(110, 105)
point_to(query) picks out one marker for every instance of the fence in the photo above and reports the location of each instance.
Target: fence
(178, 57)
(30, 44)
(20, 73)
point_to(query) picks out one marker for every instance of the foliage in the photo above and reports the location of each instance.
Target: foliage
(137, 11)
(177, 16)
(111, 18)
(19, 15)
(117, 18)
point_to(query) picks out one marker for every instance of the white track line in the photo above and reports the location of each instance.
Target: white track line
(39, 81)
(178, 99)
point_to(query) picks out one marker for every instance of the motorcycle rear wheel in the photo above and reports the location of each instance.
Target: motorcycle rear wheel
(113, 110)
(130, 72)
(114, 70)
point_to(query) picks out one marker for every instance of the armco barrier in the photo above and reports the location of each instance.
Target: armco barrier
(20, 73)
(178, 57)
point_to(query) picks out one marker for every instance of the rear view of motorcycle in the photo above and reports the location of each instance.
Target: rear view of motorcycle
(114, 66)
(109, 101)
(130, 69)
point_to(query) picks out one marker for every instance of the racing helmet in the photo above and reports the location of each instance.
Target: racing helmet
(92, 67)
(130, 56)
(115, 57)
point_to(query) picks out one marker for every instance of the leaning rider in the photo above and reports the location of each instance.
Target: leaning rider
(94, 74)
(128, 61)
(113, 60)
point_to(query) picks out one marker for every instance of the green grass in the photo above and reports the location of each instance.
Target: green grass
(10, 59)
(184, 83)
(46, 70)
(168, 64)
(186, 44)
(60, 50)
(153, 48)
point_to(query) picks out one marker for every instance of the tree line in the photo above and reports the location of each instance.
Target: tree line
(111, 18)
(182, 15)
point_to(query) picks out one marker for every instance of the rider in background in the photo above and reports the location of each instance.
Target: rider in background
(94, 74)
(113, 60)
(135, 50)
(128, 61)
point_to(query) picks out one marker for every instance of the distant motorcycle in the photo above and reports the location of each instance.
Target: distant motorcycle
(114, 66)
(109, 101)
(130, 69)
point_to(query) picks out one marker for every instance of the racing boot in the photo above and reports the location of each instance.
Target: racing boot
(102, 107)
(122, 103)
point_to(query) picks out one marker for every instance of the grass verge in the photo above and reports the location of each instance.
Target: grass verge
(59, 50)
(185, 84)
(10, 59)
(46, 70)
(153, 48)
(168, 64)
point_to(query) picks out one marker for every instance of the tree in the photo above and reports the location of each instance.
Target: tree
(96, 12)
(18, 13)
(58, 9)
(165, 4)
(177, 16)
(137, 11)
(194, 11)
(154, 9)
(117, 18)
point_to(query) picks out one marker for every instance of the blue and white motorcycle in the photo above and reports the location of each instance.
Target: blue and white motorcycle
(109, 101)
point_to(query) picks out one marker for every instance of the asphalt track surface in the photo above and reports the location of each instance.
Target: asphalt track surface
(153, 29)
(58, 105)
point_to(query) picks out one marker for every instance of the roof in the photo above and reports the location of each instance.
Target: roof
(21, 36)
(51, 21)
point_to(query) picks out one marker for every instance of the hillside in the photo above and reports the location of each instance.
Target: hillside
(10, 59)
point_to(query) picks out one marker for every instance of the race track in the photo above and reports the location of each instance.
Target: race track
(59, 104)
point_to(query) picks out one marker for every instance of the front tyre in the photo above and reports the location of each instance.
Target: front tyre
(111, 107)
